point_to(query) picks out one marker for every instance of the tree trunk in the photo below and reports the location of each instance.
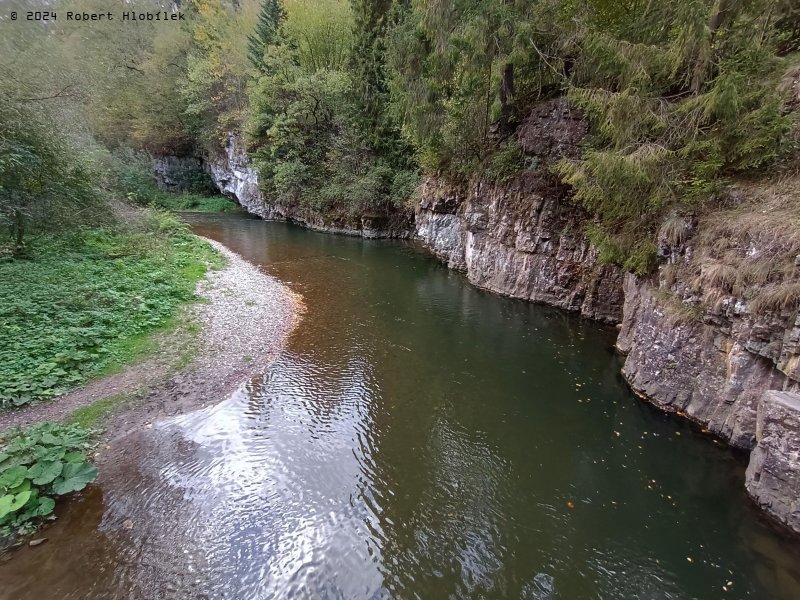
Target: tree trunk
(506, 98)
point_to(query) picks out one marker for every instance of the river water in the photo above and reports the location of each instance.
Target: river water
(418, 438)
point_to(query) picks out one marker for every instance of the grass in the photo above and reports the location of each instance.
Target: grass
(677, 311)
(748, 248)
(87, 302)
(90, 415)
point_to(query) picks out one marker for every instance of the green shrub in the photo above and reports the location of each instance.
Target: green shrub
(38, 464)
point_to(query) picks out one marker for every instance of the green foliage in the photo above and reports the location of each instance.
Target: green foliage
(269, 21)
(679, 96)
(461, 73)
(134, 179)
(320, 32)
(214, 89)
(308, 143)
(71, 310)
(36, 464)
(42, 180)
(194, 202)
(506, 162)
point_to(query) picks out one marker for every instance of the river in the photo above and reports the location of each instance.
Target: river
(417, 438)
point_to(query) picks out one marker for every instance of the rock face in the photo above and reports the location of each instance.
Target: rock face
(180, 173)
(712, 367)
(773, 475)
(235, 176)
(524, 239)
(519, 241)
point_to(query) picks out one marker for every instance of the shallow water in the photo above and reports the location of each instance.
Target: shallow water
(418, 438)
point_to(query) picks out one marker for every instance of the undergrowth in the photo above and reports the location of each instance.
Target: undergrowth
(751, 249)
(84, 302)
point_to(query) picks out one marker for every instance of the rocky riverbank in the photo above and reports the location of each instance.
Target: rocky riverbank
(242, 323)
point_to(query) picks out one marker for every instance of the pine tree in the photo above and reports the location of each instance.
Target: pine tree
(269, 21)
(370, 21)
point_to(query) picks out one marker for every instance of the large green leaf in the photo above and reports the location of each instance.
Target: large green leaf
(12, 477)
(22, 487)
(13, 502)
(45, 472)
(75, 457)
(74, 477)
(53, 453)
(46, 506)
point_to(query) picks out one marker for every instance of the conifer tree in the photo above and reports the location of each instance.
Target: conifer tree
(269, 21)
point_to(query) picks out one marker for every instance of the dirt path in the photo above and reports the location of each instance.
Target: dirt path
(243, 323)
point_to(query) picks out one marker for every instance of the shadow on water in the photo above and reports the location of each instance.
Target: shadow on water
(418, 438)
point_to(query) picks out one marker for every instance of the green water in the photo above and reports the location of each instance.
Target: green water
(418, 438)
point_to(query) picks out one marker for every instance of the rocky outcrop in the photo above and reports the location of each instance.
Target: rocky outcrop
(712, 367)
(773, 475)
(520, 241)
(525, 238)
(236, 177)
(180, 173)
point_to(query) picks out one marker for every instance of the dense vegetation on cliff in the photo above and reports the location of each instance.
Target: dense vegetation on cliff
(346, 104)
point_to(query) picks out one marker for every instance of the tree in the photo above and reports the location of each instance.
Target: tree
(43, 183)
(269, 21)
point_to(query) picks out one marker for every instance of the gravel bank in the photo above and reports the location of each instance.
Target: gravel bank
(244, 320)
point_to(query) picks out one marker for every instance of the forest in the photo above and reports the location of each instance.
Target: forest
(346, 106)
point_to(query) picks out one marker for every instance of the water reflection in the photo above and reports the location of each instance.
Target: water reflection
(417, 439)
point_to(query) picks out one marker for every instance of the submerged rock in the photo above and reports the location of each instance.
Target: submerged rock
(541, 587)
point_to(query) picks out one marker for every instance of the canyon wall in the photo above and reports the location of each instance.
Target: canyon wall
(692, 346)
(524, 238)
(520, 242)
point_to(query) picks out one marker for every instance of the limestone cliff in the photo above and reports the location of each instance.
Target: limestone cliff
(773, 476)
(235, 176)
(519, 241)
(524, 238)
